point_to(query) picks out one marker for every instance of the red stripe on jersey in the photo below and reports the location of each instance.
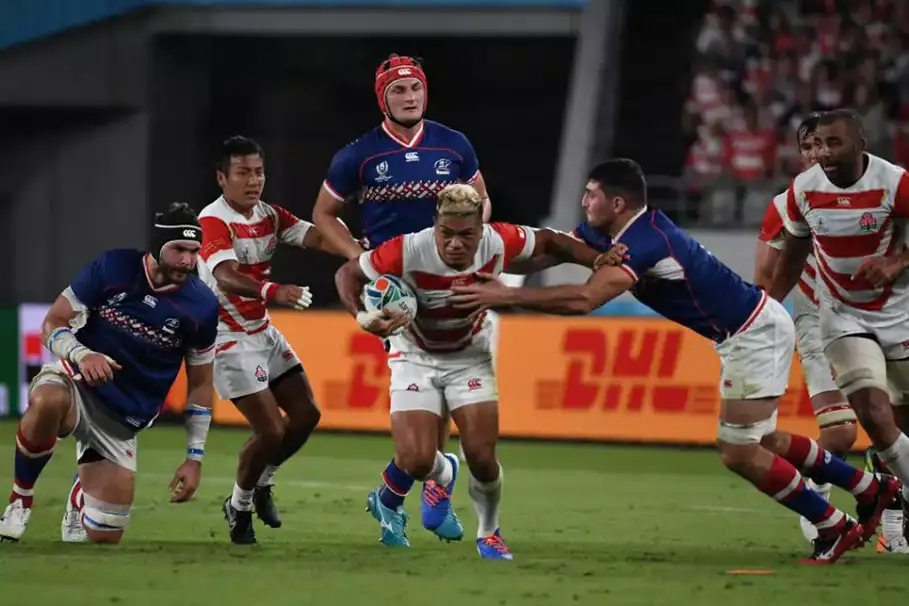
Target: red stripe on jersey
(257, 271)
(810, 271)
(443, 313)
(845, 281)
(259, 229)
(807, 291)
(216, 237)
(468, 331)
(250, 309)
(772, 225)
(873, 198)
(847, 247)
(428, 281)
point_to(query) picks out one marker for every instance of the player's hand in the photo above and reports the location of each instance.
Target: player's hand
(489, 292)
(880, 270)
(95, 368)
(186, 481)
(615, 256)
(385, 323)
(297, 297)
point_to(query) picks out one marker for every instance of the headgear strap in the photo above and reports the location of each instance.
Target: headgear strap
(397, 68)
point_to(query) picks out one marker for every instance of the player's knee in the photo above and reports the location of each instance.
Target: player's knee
(738, 458)
(52, 400)
(272, 432)
(481, 457)
(740, 443)
(873, 413)
(306, 422)
(418, 462)
(104, 522)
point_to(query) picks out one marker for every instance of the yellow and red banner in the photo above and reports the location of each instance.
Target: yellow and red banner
(610, 379)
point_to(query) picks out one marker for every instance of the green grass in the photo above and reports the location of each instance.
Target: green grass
(588, 524)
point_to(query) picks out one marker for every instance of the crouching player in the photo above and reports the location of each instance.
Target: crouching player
(138, 316)
(443, 361)
(671, 273)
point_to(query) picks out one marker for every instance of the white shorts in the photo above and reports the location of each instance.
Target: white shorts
(442, 383)
(889, 327)
(815, 367)
(756, 361)
(96, 428)
(246, 364)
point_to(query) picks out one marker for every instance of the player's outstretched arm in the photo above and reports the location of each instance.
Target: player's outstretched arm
(792, 260)
(199, 399)
(479, 184)
(553, 248)
(766, 258)
(231, 280)
(570, 299)
(327, 217)
(315, 239)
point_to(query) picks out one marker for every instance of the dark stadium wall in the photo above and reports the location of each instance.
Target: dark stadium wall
(304, 98)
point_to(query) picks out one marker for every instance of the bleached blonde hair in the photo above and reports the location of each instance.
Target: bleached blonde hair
(459, 200)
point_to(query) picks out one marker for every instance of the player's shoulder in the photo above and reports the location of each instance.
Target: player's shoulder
(199, 295)
(779, 201)
(217, 209)
(885, 170)
(363, 146)
(121, 259)
(437, 130)
(810, 179)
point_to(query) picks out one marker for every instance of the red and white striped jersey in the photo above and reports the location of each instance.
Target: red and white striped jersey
(851, 224)
(250, 241)
(772, 233)
(438, 326)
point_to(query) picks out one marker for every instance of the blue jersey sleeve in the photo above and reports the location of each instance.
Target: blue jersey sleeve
(645, 250)
(201, 344)
(90, 283)
(470, 165)
(593, 238)
(343, 178)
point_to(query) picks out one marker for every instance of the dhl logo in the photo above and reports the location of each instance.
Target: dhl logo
(367, 386)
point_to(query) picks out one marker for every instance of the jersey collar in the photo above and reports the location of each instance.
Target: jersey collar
(418, 136)
(636, 216)
(146, 266)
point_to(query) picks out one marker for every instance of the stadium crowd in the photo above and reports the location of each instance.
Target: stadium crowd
(761, 66)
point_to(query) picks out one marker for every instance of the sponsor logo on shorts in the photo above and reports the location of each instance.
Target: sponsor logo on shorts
(261, 375)
(474, 384)
(287, 355)
(413, 387)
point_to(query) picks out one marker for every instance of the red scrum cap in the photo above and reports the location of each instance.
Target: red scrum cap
(397, 68)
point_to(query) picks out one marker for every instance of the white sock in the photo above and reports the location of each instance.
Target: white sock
(268, 476)
(892, 523)
(896, 458)
(442, 471)
(486, 498)
(241, 500)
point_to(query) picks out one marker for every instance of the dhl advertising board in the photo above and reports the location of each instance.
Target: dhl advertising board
(594, 378)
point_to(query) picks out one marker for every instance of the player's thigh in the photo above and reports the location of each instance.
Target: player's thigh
(417, 411)
(108, 490)
(241, 365)
(755, 362)
(815, 367)
(97, 433)
(858, 363)
(472, 395)
(54, 388)
(289, 382)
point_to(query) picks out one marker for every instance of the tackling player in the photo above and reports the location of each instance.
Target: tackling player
(675, 276)
(255, 366)
(835, 417)
(852, 207)
(443, 361)
(397, 170)
(122, 330)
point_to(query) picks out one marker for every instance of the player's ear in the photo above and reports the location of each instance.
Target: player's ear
(221, 178)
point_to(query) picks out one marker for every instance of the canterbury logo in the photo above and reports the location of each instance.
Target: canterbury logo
(188, 233)
(405, 71)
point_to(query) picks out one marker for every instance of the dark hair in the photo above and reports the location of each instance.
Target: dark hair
(237, 145)
(848, 116)
(178, 213)
(807, 126)
(623, 176)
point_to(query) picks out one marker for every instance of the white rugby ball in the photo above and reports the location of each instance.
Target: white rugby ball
(391, 293)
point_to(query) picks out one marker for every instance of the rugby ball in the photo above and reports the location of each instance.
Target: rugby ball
(391, 293)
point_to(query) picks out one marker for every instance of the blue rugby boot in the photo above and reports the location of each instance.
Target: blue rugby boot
(436, 512)
(393, 522)
(493, 547)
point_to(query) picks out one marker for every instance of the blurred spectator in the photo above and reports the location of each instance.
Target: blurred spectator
(764, 64)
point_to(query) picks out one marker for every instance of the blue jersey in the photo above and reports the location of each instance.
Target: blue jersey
(678, 278)
(398, 182)
(148, 330)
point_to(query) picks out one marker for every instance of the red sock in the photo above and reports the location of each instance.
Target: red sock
(31, 457)
(784, 483)
(823, 467)
(75, 495)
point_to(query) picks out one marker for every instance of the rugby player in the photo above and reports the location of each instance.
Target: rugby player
(675, 276)
(396, 171)
(255, 366)
(850, 208)
(835, 417)
(443, 360)
(122, 329)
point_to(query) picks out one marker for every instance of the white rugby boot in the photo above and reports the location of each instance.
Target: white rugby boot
(71, 528)
(14, 521)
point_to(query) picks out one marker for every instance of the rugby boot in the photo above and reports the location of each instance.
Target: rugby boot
(239, 524)
(14, 521)
(493, 547)
(829, 548)
(392, 521)
(264, 504)
(869, 514)
(437, 514)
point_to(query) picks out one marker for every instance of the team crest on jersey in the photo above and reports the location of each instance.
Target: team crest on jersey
(171, 325)
(382, 171)
(272, 245)
(867, 223)
(116, 299)
(443, 166)
(261, 375)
